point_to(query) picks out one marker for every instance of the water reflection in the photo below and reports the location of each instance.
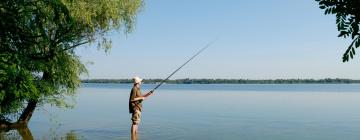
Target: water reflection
(197, 114)
(71, 136)
(25, 134)
(9, 135)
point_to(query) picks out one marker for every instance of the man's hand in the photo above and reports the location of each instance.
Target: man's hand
(148, 94)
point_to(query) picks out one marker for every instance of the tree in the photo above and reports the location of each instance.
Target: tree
(38, 64)
(347, 14)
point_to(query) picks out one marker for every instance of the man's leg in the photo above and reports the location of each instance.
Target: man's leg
(135, 123)
(134, 128)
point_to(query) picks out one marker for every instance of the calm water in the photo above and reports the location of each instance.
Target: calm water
(238, 112)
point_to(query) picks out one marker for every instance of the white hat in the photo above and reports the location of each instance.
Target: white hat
(137, 80)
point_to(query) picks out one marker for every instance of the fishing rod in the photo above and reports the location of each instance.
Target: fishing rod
(167, 78)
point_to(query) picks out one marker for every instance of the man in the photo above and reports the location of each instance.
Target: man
(135, 105)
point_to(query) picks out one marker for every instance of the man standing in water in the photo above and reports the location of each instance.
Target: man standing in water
(135, 105)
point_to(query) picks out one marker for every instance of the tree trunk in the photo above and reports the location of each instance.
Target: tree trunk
(23, 119)
(27, 113)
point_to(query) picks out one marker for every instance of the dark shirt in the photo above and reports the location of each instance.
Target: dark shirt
(136, 105)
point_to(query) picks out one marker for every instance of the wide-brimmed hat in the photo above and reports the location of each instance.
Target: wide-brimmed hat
(137, 80)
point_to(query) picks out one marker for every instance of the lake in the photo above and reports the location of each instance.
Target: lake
(209, 112)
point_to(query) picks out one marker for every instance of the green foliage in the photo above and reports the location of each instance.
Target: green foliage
(37, 42)
(98, 17)
(347, 19)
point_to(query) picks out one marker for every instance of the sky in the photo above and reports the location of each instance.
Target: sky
(266, 39)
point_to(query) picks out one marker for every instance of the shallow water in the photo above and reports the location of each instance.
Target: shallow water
(246, 112)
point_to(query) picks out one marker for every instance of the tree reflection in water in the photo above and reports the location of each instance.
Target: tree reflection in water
(25, 134)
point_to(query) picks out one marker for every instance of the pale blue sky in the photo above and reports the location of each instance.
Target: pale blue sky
(265, 39)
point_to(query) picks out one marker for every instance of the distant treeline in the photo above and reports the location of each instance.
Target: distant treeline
(230, 81)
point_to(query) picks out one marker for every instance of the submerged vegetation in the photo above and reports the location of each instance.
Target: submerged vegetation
(230, 81)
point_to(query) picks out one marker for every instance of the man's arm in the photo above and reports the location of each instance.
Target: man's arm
(138, 99)
(143, 97)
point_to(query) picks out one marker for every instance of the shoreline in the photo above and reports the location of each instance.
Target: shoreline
(229, 81)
